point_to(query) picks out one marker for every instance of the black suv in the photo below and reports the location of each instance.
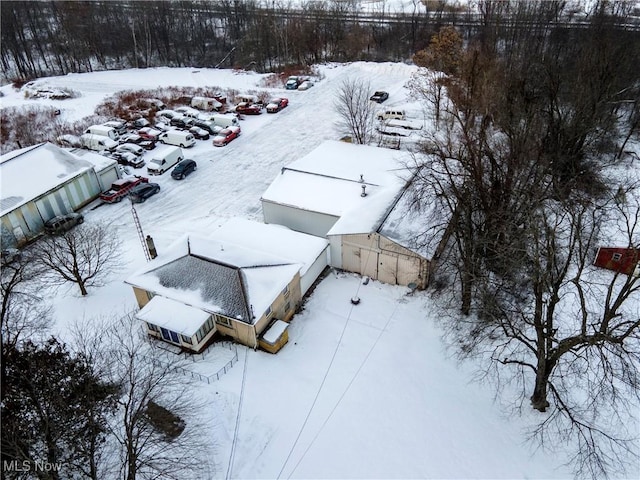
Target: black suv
(142, 191)
(184, 168)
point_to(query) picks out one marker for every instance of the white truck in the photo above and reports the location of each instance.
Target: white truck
(98, 143)
(179, 139)
(164, 159)
(104, 130)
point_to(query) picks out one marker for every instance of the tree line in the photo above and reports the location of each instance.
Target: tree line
(527, 172)
(58, 37)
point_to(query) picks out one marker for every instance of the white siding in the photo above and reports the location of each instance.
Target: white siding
(304, 221)
(314, 271)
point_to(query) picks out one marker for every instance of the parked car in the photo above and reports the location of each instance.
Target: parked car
(136, 139)
(140, 193)
(199, 133)
(209, 126)
(10, 255)
(277, 104)
(69, 141)
(123, 157)
(163, 127)
(306, 85)
(63, 223)
(149, 133)
(120, 188)
(379, 96)
(184, 168)
(225, 136)
(248, 108)
(130, 147)
(181, 121)
(188, 111)
(168, 114)
(140, 123)
(120, 126)
(293, 82)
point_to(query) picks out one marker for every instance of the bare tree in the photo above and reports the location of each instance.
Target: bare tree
(158, 427)
(23, 313)
(355, 109)
(83, 255)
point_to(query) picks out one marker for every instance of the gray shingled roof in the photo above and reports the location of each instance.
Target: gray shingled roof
(217, 283)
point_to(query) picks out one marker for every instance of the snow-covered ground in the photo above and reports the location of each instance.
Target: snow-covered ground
(364, 391)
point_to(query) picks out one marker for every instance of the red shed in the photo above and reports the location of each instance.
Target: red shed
(618, 259)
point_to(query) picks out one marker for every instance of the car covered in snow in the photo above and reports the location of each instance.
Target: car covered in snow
(135, 139)
(199, 133)
(245, 108)
(149, 133)
(208, 125)
(225, 136)
(292, 82)
(277, 104)
(120, 188)
(130, 147)
(124, 157)
(306, 85)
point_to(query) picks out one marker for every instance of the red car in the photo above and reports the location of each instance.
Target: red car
(120, 188)
(277, 104)
(149, 133)
(248, 108)
(225, 136)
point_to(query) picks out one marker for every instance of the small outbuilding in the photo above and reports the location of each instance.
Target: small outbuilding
(358, 198)
(230, 282)
(38, 183)
(106, 168)
(619, 259)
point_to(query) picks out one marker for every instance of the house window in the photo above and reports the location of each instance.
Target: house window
(287, 307)
(285, 292)
(186, 339)
(209, 324)
(152, 327)
(223, 321)
(267, 312)
(150, 295)
(616, 257)
(200, 334)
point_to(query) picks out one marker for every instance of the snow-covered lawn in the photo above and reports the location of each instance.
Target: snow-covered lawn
(364, 391)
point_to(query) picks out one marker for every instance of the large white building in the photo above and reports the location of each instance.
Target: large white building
(43, 181)
(353, 196)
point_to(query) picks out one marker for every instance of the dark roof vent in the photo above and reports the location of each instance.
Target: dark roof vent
(364, 191)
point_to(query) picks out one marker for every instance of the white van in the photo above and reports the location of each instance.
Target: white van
(224, 121)
(98, 143)
(164, 159)
(206, 103)
(103, 130)
(391, 113)
(179, 139)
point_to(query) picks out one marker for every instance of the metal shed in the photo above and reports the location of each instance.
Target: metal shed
(58, 182)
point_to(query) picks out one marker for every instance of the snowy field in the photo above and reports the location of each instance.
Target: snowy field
(364, 391)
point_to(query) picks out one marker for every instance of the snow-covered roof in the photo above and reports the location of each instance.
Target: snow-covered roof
(273, 239)
(173, 315)
(329, 180)
(411, 228)
(28, 173)
(275, 331)
(217, 277)
(99, 162)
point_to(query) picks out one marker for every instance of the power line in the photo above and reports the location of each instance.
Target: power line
(237, 427)
(335, 407)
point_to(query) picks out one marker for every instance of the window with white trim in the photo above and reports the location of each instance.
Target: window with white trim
(223, 321)
(152, 327)
(186, 339)
(616, 257)
(268, 312)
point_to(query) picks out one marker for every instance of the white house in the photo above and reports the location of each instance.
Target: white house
(351, 194)
(40, 182)
(237, 281)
